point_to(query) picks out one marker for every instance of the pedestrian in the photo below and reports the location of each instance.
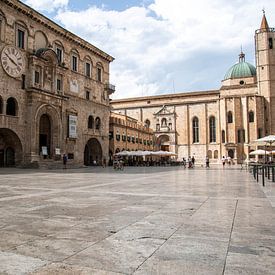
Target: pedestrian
(207, 162)
(104, 163)
(65, 159)
(193, 161)
(223, 161)
(184, 162)
(189, 162)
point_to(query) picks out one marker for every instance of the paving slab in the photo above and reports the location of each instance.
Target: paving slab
(143, 220)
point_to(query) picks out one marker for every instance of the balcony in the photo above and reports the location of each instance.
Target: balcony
(110, 88)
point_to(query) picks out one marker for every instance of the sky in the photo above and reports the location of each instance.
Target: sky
(163, 46)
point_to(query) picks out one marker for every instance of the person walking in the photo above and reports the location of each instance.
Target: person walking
(65, 159)
(223, 161)
(193, 161)
(189, 162)
(207, 162)
(184, 162)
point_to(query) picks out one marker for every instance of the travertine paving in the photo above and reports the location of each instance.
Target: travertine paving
(161, 220)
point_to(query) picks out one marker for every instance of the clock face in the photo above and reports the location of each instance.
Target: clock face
(12, 61)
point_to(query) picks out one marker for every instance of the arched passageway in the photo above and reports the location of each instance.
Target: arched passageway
(93, 152)
(10, 148)
(163, 142)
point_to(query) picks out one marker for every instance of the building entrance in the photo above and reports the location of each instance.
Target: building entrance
(93, 152)
(45, 135)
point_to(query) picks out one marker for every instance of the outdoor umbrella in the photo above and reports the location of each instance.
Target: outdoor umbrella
(259, 152)
(268, 140)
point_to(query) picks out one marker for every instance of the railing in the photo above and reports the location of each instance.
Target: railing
(266, 171)
(265, 30)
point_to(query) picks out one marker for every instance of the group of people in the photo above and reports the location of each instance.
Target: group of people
(190, 161)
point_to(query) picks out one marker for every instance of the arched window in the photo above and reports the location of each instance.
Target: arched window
(97, 123)
(1, 105)
(195, 125)
(11, 107)
(229, 117)
(251, 116)
(212, 129)
(147, 123)
(216, 154)
(209, 154)
(163, 122)
(90, 122)
(223, 136)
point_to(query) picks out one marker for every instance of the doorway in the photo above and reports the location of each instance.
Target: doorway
(45, 135)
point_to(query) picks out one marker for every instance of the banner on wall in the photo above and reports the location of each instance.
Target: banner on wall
(72, 126)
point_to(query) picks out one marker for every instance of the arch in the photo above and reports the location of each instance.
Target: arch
(229, 117)
(212, 129)
(223, 136)
(40, 40)
(209, 154)
(163, 142)
(12, 107)
(147, 123)
(48, 54)
(195, 129)
(251, 116)
(231, 153)
(11, 152)
(117, 150)
(90, 122)
(97, 123)
(216, 154)
(55, 122)
(163, 122)
(93, 152)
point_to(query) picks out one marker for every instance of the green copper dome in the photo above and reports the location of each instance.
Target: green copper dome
(241, 69)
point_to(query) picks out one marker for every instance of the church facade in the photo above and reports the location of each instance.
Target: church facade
(54, 92)
(220, 122)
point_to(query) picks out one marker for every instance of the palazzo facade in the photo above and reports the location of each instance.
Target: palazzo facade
(54, 92)
(220, 122)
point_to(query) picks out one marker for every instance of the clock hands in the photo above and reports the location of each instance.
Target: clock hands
(12, 61)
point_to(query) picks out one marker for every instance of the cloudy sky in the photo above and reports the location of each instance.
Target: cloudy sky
(164, 46)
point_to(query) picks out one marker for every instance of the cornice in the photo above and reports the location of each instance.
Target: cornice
(60, 31)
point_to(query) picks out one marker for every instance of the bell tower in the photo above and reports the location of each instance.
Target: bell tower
(265, 64)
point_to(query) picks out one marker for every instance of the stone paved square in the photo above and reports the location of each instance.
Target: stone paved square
(160, 220)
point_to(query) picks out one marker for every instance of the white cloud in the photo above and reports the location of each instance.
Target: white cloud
(47, 5)
(170, 41)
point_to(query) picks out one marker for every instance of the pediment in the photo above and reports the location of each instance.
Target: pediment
(165, 110)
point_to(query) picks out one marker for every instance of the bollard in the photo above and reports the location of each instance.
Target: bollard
(268, 172)
(257, 173)
(263, 174)
(273, 174)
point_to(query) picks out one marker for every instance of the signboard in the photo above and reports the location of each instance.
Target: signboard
(57, 151)
(44, 150)
(72, 126)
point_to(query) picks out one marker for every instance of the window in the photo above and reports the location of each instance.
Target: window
(74, 63)
(223, 136)
(59, 54)
(212, 129)
(36, 77)
(88, 69)
(209, 154)
(128, 138)
(99, 74)
(111, 135)
(90, 122)
(20, 39)
(260, 132)
(11, 107)
(88, 95)
(117, 136)
(270, 43)
(58, 84)
(195, 125)
(241, 135)
(163, 122)
(147, 123)
(157, 127)
(170, 126)
(97, 123)
(229, 117)
(133, 139)
(251, 116)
